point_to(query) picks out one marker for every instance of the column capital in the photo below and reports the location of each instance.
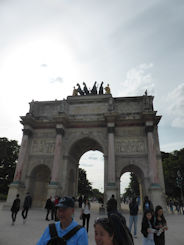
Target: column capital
(111, 130)
(60, 129)
(27, 131)
(149, 129)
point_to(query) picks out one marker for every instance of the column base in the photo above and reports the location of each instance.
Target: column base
(16, 187)
(157, 196)
(110, 189)
(54, 189)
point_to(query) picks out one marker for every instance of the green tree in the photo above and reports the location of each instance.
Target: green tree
(84, 186)
(172, 162)
(8, 157)
(98, 195)
(133, 187)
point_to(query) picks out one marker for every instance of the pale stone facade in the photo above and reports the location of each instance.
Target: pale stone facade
(57, 133)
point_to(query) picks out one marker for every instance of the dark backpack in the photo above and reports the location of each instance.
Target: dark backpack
(56, 240)
(147, 205)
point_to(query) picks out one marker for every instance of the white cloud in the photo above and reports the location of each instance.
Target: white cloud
(137, 80)
(93, 158)
(124, 182)
(173, 107)
(56, 80)
(44, 65)
(172, 146)
(86, 164)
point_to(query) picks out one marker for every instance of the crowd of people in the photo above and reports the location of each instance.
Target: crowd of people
(175, 206)
(110, 230)
(153, 224)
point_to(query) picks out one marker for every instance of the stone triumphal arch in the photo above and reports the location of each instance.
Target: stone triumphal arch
(57, 133)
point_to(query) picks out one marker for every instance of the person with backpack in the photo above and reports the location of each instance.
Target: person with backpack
(112, 231)
(66, 231)
(147, 205)
(111, 205)
(133, 206)
(15, 208)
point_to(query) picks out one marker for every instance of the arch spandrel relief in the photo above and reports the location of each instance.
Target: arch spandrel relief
(74, 136)
(34, 161)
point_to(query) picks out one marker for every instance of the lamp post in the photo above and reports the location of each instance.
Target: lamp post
(179, 182)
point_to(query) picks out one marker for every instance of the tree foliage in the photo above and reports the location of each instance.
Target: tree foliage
(84, 186)
(172, 162)
(8, 157)
(133, 187)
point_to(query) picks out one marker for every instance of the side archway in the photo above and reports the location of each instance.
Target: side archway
(38, 184)
(140, 178)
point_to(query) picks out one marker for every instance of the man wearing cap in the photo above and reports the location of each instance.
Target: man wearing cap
(65, 211)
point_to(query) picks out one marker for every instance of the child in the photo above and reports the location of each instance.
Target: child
(160, 225)
(148, 228)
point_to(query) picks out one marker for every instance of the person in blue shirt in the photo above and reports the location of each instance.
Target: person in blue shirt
(65, 211)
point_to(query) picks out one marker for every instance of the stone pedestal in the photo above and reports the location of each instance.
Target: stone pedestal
(101, 210)
(157, 196)
(53, 189)
(109, 190)
(14, 189)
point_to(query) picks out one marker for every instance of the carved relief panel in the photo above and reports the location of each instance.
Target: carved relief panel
(128, 145)
(42, 146)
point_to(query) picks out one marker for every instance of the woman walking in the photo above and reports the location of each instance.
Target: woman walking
(148, 228)
(160, 225)
(86, 213)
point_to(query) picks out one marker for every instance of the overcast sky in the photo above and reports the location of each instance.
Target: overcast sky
(47, 46)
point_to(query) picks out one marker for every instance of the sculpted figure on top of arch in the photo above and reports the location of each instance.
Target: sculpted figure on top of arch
(107, 89)
(94, 91)
(75, 92)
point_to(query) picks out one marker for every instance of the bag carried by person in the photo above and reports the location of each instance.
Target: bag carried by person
(56, 240)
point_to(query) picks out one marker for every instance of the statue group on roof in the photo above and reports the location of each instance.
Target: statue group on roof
(93, 91)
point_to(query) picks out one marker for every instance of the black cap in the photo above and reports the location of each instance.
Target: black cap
(66, 202)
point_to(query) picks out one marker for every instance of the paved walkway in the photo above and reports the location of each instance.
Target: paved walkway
(29, 233)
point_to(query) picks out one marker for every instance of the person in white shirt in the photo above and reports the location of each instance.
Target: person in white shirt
(86, 213)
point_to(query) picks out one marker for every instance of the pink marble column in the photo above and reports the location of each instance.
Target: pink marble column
(111, 156)
(57, 154)
(153, 168)
(22, 154)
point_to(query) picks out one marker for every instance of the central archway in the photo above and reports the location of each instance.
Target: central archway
(77, 149)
